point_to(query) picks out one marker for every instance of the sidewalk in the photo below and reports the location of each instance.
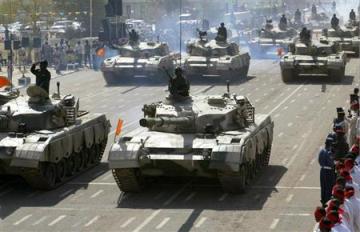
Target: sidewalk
(17, 74)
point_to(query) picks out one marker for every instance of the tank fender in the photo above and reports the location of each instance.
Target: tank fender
(77, 139)
(100, 132)
(124, 155)
(261, 141)
(248, 151)
(28, 155)
(89, 136)
(225, 158)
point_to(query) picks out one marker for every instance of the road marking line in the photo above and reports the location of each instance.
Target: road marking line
(296, 154)
(92, 221)
(127, 222)
(188, 198)
(147, 220)
(3, 193)
(66, 193)
(22, 219)
(58, 219)
(97, 193)
(280, 134)
(201, 221)
(295, 146)
(285, 99)
(173, 197)
(313, 161)
(290, 124)
(296, 214)
(302, 178)
(283, 187)
(276, 115)
(292, 101)
(39, 221)
(274, 223)
(162, 223)
(223, 197)
(286, 107)
(283, 162)
(289, 198)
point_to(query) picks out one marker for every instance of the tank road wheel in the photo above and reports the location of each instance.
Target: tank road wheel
(287, 75)
(70, 165)
(61, 170)
(128, 179)
(266, 156)
(78, 161)
(48, 176)
(85, 158)
(235, 182)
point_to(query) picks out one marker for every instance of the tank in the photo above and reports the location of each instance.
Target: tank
(319, 21)
(143, 58)
(216, 136)
(211, 57)
(48, 141)
(347, 39)
(316, 59)
(268, 42)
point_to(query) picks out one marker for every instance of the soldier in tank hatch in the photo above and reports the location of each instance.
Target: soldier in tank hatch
(43, 75)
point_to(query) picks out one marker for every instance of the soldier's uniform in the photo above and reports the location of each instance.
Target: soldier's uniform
(327, 171)
(297, 16)
(222, 33)
(334, 21)
(179, 85)
(43, 76)
(352, 15)
(241, 112)
(283, 23)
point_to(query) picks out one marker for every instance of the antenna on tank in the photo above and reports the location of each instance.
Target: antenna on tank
(228, 86)
(180, 24)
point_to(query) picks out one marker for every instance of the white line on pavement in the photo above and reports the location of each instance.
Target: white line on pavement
(97, 193)
(296, 214)
(92, 221)
(162, 223)
(296, 154)
(127, 222)
(201, 221)
(274, 223)
(58, 219)
(188, 198)
(22, 219)
(302, 177)
(280, 134)
(66, 193)
(223, 197)
(285, 99)
(147, 220)
(107, 176)
(283, 162)
(290, 124)
(39, 221)
(289, 198)
(175, 195)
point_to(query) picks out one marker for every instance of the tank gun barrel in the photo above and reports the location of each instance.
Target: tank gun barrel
(161, 121)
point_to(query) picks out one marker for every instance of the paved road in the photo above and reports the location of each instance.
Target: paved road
(281, 199)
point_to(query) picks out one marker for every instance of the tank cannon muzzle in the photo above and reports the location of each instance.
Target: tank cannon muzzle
(165, 121)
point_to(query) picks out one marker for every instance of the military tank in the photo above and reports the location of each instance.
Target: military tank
(313, 60)
(216, 58)
(216, 136)
(47, 141)
(7, 94)
(347, 39)
(142, 58)
(269, 41)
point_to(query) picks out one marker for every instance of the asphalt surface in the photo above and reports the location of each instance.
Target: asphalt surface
(282, 198)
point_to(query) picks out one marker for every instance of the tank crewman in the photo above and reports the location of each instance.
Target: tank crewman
(334, 22)
(43, 76)
(305, 36)
(283, 23)
(269, 26)
(297, 16)
(327, 171)
(222, 33)
(241, 112)
(179, 85)
(313, 10)
(352, 15)
(133, 36)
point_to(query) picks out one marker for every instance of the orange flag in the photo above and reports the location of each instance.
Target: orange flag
(119, 127)
(4, 81)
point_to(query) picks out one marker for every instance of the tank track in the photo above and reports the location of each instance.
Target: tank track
(39, 178)
(128, 179)
(237, 182)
